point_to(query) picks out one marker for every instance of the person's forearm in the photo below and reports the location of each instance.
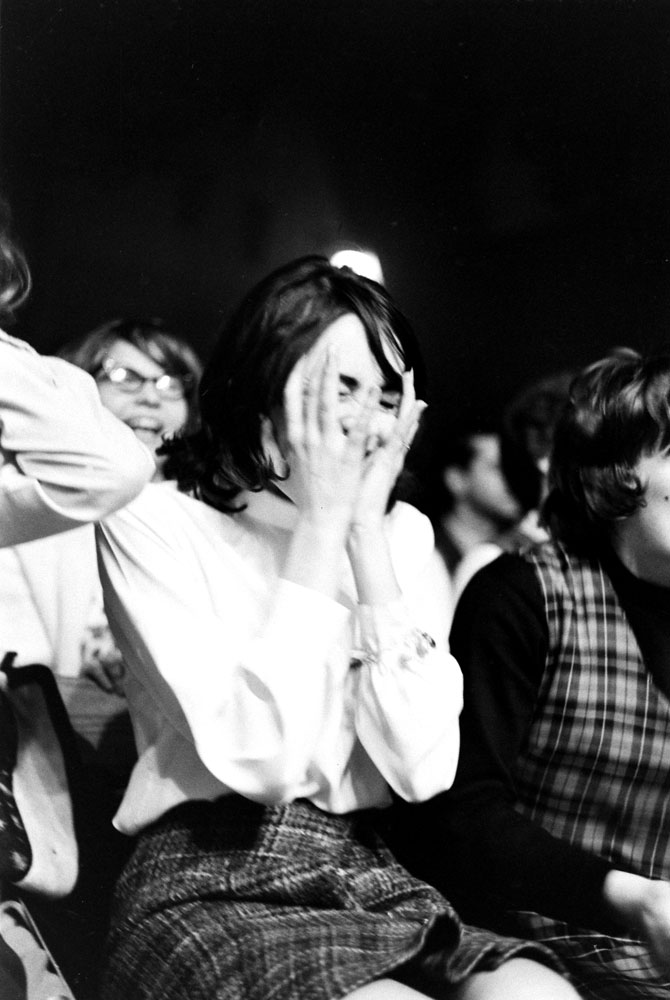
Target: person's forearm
(498, 855)
(316, 554)
(54, 431)
(370, 558)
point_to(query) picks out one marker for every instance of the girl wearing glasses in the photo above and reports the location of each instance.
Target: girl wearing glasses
(146, 376)
(286, 673)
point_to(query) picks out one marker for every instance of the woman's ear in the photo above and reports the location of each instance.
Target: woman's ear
(271, 449)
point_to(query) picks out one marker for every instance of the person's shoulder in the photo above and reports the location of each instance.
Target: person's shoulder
(412, 527)
(509, 572)
(409, 518)
(552, 556)
(162, 509)
(15, 342)
(479, 556)
(506, 596)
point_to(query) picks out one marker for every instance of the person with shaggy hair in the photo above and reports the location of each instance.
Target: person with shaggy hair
(557, 826)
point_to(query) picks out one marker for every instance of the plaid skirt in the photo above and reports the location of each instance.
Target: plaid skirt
(602, 967)
(231, 899)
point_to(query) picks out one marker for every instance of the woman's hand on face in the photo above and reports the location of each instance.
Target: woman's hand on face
(327, 465)
(386, 457)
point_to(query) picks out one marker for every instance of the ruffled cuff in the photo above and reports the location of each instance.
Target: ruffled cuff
(389, 630)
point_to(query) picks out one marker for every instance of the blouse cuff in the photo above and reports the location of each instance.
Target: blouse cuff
(390, 627)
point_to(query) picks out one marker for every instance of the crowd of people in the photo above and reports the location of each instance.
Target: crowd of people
(320, 793)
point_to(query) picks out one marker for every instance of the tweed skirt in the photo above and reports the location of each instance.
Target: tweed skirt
(231, 899)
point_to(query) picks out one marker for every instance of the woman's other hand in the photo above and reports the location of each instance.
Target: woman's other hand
(643, 905)
(386, 453)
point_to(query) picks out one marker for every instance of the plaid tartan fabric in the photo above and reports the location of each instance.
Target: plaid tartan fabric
(596, 768)
(230, 899)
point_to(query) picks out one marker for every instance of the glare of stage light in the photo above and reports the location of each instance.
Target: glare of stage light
(361, 261)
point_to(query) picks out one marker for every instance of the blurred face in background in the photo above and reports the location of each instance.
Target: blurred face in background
(143, 395)
(482, 485)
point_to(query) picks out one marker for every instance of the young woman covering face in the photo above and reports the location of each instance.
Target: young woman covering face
(286, 674)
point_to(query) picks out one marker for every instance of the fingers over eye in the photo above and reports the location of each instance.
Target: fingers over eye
(359, 430)
(408, 424)
(311, 395)
(328, 410)
(408, 394)
(294, 403)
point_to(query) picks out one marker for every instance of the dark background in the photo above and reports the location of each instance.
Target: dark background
(508, 161)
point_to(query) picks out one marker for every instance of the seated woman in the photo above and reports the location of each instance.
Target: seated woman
(51, 608)
(557, 826)
(283, 676)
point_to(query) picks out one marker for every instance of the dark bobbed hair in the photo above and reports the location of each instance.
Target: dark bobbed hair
(151, 337)
(618, 412)
(277, 322)
(15, 280)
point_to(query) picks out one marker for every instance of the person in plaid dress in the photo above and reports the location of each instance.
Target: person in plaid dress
(286, 670)
(558, 822)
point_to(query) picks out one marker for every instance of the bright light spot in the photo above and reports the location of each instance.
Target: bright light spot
(361, 261)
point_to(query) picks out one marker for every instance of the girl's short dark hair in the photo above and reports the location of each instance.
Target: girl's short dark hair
(276, 323)
(618, 411)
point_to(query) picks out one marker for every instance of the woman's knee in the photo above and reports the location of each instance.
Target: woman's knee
(520, 978)
(385, 989)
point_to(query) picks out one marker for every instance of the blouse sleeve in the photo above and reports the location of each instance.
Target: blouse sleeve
(410, 693)
(251, 695)
(64, 459)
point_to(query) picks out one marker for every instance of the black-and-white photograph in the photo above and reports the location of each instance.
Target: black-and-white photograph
(334, 499)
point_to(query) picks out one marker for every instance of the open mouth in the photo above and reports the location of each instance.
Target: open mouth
(145, 424)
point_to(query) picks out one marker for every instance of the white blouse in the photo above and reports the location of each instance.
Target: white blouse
(241, 681)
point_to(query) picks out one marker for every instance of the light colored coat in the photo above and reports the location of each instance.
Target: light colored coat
(61, 576)
(64, 459)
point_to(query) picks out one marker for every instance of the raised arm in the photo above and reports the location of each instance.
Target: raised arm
(64, 459)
